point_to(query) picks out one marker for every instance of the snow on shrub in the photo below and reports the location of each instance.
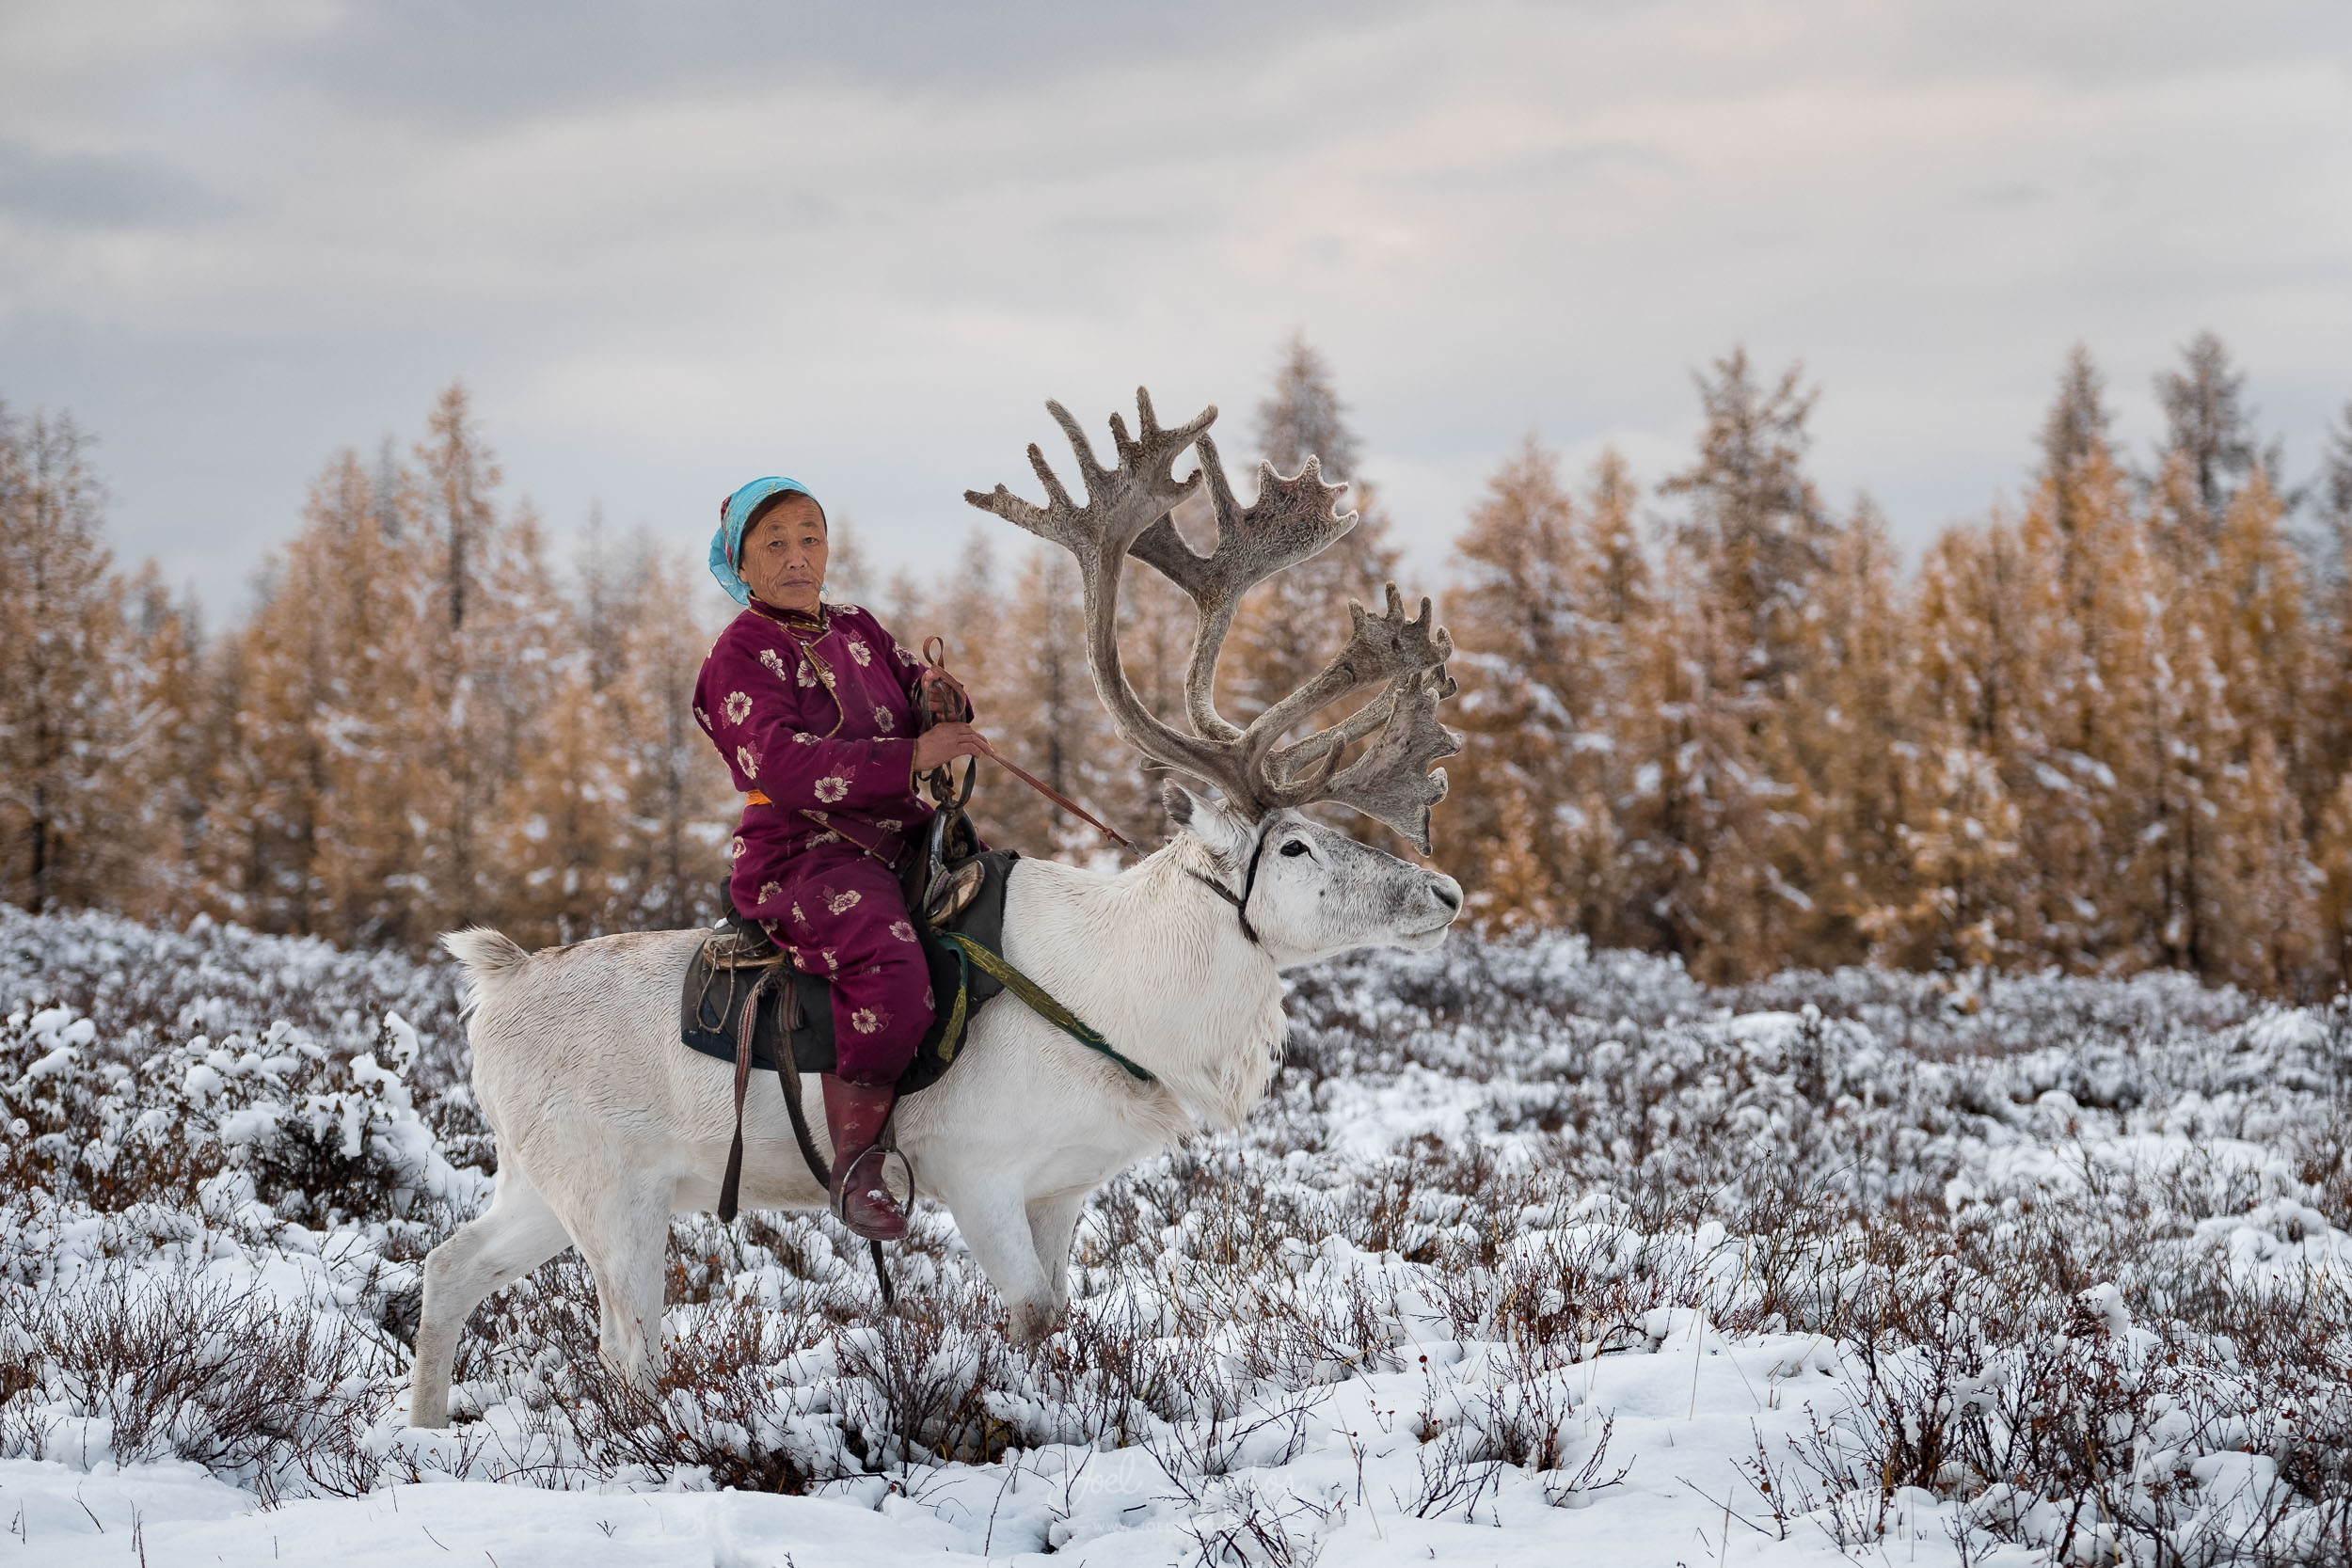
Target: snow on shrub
(2056, 1263)
(271, 1119)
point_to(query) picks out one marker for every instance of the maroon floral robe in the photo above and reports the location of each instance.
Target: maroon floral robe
(815, 716)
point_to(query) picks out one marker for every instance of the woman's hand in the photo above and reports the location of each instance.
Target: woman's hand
(942, 744)
(944, 695)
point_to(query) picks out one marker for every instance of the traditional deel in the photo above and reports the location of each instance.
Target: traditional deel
(815, 716)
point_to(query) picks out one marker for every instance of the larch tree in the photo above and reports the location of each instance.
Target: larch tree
(2332, 493)
(495, 682)
(2121, 706)
(1986, 778)
(72, 731)
(1848, 730)
(1543, 598)
(680, 804)
(2331, 725)
(967, 610)
(2332, 498)
(2272, 778)
(2190, 619)
(610, 597)
(1046, 716)
(1755, 530)
(1522, 694)
(2074, 433)
(2257, 594)
(310, 826)
(2331, 857)
(1716, 790)
(2209, 427)
(904, 606)
(2077, 423)
(1702, 813)
(553, 798)
(181, 745)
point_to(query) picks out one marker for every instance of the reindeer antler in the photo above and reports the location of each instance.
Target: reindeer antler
(1128, 511)
(1291, 521)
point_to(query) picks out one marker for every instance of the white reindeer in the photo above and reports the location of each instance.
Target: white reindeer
(607, 1126)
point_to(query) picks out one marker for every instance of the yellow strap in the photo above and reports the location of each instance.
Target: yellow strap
(1040, 1000)
(953, 1037)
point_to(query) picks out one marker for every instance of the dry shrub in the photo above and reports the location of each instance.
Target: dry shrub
(154, 1366)
(2067, 1416)
(718, 1411)
(920, 1380)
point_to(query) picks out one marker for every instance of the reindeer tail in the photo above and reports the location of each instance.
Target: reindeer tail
(488, 957)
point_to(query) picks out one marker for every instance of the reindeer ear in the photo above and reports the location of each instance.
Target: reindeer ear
(1218, 827)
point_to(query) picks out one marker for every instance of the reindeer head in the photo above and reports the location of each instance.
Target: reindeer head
(1307, 890)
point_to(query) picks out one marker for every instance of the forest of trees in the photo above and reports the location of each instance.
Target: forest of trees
(2104, 729)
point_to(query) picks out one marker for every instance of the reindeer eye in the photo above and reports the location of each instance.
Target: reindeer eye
(1295, 847)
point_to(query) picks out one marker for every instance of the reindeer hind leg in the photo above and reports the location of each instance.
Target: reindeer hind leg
(515, 1235)
(625, 1242)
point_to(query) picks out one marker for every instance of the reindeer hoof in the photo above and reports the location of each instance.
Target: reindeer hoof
(1033, 1324)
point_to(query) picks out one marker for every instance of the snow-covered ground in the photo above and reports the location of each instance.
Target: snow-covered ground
(1536, 1255)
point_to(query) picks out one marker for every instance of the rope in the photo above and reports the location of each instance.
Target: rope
(1042, 1003)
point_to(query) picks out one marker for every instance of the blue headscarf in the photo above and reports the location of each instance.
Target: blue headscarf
(726, 545)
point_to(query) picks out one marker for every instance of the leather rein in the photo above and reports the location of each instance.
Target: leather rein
(935, 661)
(1241, 900)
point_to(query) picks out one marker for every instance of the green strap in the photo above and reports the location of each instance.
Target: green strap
(1039, 1002)
(953, 1035)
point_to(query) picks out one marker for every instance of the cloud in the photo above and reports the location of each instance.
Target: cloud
(673, 246)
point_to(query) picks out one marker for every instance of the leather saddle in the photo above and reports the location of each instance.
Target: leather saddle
(952, 886)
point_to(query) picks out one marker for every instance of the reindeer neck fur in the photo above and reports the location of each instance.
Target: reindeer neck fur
(1158, 963)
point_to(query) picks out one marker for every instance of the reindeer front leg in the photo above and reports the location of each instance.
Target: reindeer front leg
(1053, 1221)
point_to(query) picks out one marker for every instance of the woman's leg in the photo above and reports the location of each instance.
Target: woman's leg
(848, 923)
(852, 921)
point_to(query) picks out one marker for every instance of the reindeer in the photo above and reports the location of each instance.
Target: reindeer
(605, 1126)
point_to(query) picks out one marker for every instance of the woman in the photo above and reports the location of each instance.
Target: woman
(812, 706)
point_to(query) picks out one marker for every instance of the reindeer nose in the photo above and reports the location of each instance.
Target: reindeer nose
(1449, 893)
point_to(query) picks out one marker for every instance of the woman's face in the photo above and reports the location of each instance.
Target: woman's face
(783, 556)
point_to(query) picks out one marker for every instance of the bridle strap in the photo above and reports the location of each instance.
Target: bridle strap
(1240, 901)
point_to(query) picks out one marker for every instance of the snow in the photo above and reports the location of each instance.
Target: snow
(1536, 1254)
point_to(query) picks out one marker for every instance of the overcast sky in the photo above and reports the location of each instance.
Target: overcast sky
(672, 247)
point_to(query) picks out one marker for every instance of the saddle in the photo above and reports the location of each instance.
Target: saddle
(740, 976)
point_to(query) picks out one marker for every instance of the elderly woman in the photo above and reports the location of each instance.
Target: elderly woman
(812, 706)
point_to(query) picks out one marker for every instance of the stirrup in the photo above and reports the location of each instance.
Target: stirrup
(835, 1200)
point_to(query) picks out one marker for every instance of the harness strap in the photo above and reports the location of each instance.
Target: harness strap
(1241, 904)
(731, 1185)
(953, 1035)
(1055, 796)
(788, 1079)
(1040, 1002)
(1240, 901)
